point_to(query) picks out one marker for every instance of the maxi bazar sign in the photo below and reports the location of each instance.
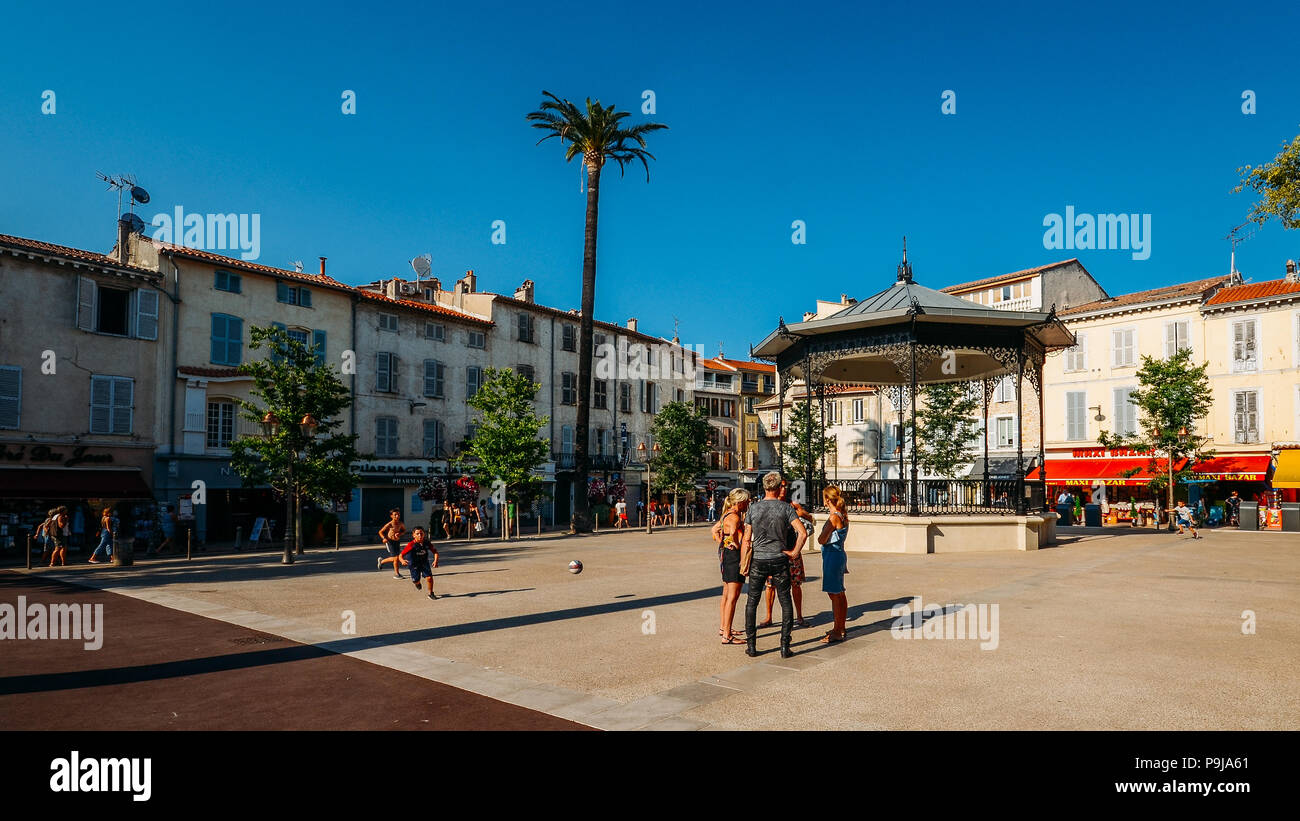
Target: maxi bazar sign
(1101, 453)
(44, 454)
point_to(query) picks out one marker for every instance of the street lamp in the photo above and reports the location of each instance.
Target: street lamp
(649, 481)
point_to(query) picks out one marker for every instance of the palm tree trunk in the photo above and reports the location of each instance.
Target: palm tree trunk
(581, 505)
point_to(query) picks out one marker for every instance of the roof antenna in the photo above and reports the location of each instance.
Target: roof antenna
(905, 267)
(1236, 240)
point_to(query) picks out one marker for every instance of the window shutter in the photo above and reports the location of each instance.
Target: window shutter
(85, 303)
(304, 297)
(146, 313)
(318, 344)
(1171, 339)
(101, 401)
(218, 352)
(383, 373)
(11, 393)
(234, 283)
(281, 292)
(234, 340)
(123, 393)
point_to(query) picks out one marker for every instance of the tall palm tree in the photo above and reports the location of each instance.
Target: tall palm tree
(596, 135)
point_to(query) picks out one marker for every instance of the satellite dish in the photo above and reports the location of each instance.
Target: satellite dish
(136, 224)
(422, 264)
(139, 195)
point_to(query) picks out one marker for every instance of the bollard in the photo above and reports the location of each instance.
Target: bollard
(189, 544)
(597, 518)
(336, 535)
(29, 551)
(239, 534)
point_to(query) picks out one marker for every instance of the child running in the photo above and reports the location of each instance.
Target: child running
(392, 533)
(1186, 519)
(416, 555)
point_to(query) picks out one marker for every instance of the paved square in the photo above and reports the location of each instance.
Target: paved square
(1128, 630)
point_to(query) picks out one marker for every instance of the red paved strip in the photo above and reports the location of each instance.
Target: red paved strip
(163, 669)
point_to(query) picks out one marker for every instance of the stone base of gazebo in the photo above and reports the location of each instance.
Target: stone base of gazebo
(874, 533)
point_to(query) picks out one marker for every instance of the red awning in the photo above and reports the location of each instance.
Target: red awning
(1241, 468)
(1104, 471)
(71, 483)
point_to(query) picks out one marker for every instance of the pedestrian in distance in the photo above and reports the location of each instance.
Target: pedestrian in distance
(58, 530)
(416, 555)
(713, 508)
(1186, 519)
(43, 536)
(168, 525)
(620, 507)
(108, 526)
(391, 535)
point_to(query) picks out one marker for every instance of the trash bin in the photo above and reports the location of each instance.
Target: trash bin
(1092, 515)
(1291, 517)
(1066, 512)
(1249, 516)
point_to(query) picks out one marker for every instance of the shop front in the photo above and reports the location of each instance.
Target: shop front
(1119, 483)
(218, 508)
(35, 478)
(1214, 480)
(384, 484)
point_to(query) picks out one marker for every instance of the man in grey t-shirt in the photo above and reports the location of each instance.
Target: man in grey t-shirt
(766, 525)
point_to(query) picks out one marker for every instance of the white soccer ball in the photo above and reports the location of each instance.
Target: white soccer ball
(575, 566)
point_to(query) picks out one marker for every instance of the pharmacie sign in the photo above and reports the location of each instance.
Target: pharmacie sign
(44, 454)
(399, 472)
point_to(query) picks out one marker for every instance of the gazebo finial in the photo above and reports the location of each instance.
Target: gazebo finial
(905, 267)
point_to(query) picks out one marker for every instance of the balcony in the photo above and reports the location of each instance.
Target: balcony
(564, 461)
(1024, 303)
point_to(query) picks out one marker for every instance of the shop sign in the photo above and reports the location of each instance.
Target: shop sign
(44, 454)
(1101, 453)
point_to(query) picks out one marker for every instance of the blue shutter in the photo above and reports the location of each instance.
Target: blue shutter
(234, 340)
(281, 292)
(318, 342)
(234, 283)
(218, 353)
(304, 297)
(275, 352)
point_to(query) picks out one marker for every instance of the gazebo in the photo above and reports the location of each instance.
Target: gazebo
(896, 341)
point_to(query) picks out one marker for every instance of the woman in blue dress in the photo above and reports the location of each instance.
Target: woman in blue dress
(834, 561)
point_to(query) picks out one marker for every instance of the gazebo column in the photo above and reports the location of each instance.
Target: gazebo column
(808, 454)
(1042, 438)
(915, 507)
(984, 389)
(816, 496)
(1021, 505)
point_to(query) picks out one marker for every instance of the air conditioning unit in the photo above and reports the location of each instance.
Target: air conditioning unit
(408, 289)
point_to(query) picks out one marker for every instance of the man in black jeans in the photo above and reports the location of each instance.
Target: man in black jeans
(766, 526)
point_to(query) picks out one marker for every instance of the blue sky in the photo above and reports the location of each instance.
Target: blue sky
(826, 113)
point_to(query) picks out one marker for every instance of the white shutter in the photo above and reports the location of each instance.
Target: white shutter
(146, 313)
(85, 303)
(101, 402)
(383, 373)
(11, 393)
(123, 394)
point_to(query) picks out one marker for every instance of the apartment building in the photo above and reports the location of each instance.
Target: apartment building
(718, 394)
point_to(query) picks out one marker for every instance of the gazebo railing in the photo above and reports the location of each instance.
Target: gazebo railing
(935, 496)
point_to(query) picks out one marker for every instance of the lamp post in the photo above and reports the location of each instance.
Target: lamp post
(649, 482)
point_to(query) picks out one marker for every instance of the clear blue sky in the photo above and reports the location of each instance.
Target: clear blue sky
(778, 111)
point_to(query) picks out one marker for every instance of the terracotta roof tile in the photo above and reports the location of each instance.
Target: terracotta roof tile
(1000, 277)
(749, 366)
(574, 316)
(242, 265)
(1187, 289)
(64, 251)
(426, 307)
(1253, 291)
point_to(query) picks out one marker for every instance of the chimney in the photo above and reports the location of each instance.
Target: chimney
(470, 282)
(391, 286)
(525, 292)
(322, 266)
(844, 299)
(631, 324)
(123, 241)
(1291, 274)
(436, 285)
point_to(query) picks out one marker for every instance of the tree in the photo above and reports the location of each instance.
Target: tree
(597, 135)
(807, 441)
(506, 447)
(682, 432)
(946, 420)
(296, 459)
(1278, 185)
(1172, 395)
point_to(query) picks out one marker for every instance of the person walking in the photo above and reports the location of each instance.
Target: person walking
(834, 562)
(490, 513)
(108, 526)
(1233, 506)
(167, 524)
(620, 507)
(391, 535)
(766, 523)
(713, 507)
(729, 533)
(416, 555)
(58, 531)
(43, 536)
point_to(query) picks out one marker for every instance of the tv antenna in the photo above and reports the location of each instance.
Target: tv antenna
(125, 182)
(1236, 239)
(297, 265)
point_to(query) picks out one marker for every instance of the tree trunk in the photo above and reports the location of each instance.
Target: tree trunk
(288, 521)
(581, 521)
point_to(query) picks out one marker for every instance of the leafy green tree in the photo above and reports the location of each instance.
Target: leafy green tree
(296, 460)
(946, 420)
(506, 447)
(681, 430)
(1172, 395)
(597, 135)
(1278, 185)
(807, 440)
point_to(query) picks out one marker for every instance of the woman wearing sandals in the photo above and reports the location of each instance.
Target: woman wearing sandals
(834, 561)
(729, 533)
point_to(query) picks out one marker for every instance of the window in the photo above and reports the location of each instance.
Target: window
(857, 410)
(568, 388)
(298, 335)
(434, 374)
(1006, 432)
(1005, 390)
(111, 316)
(105, 310)
(318, 346)
(1005, 293)
(525, 328)
(386, 372)
(600, 394)
(566, 439)
(1176, 336)
(832, 413)
(526, 371)
(857, 452)
(1245, 348)
(751, 460)
(750, 404)
(1076, 358)
(475, 339)
(388, 322)
(726, 437)
(435, 331)
(570, 338)
(227, 339)
(432, 438)
(1076, 421)
(1125, 411)
(649, 397)
(386, 436)
(729, 408)
(471, 430)
(625, 397)
(226, 281)
(473, 380)
(111, 399)
(292, 294)
(11, 396)
(1245, 421)
(1122, 343)
(751, 430)
(598, 344)
(221, 424)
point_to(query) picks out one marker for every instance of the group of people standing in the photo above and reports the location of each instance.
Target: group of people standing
(762, 541)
